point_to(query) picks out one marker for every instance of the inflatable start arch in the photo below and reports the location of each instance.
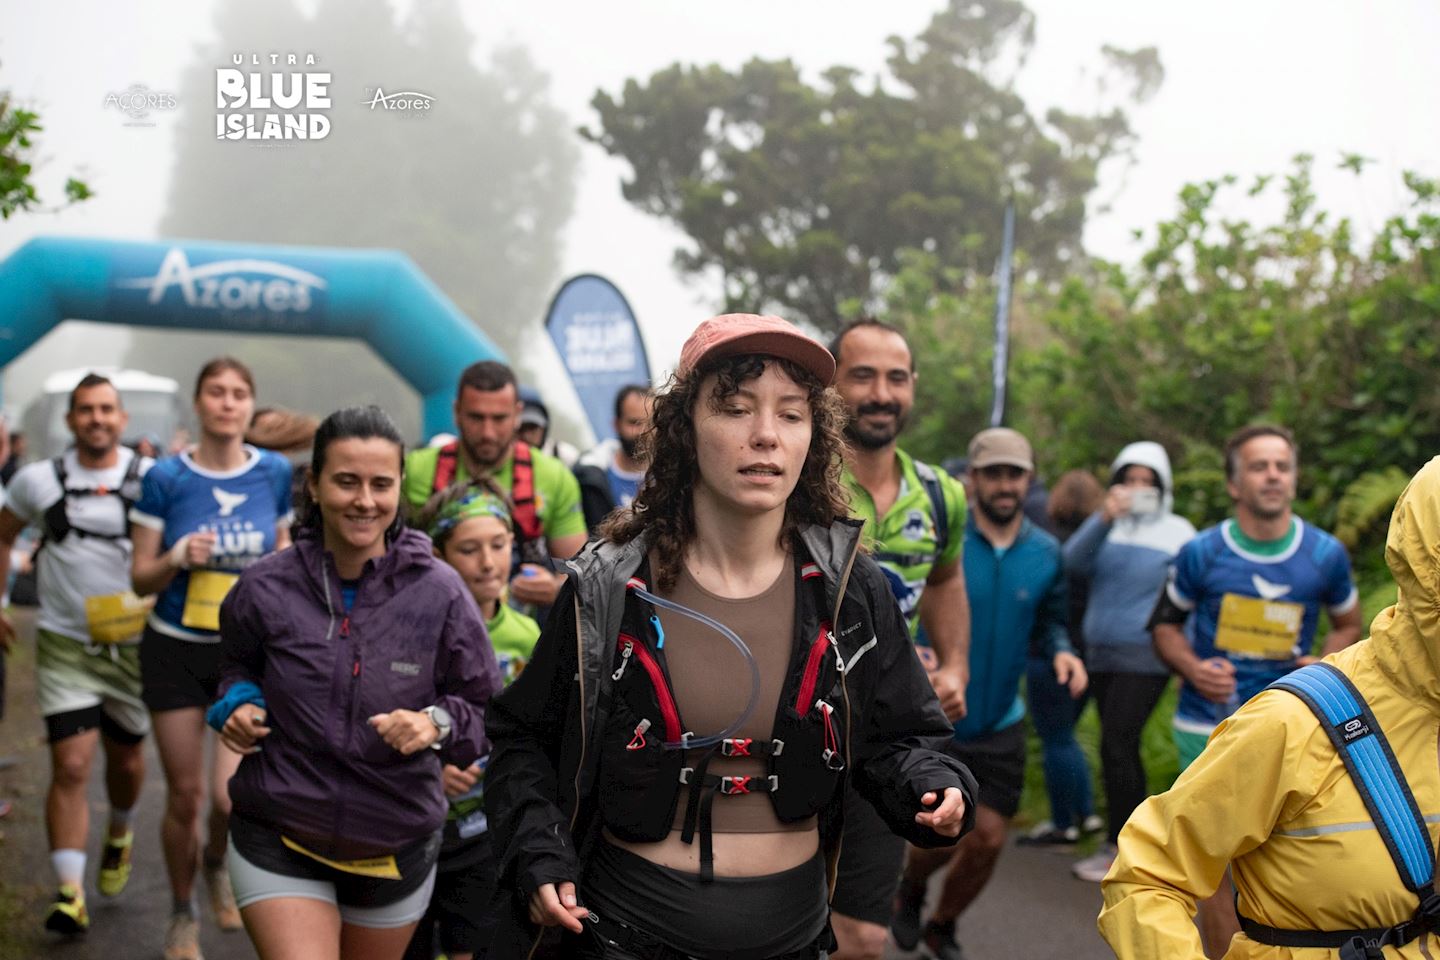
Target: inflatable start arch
(378, 296)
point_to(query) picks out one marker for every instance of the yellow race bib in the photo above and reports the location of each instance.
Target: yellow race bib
(1259, 628)
(116, 617)
(383, 868)
(202, 598)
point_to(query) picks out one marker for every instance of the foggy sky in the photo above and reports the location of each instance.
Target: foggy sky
(1249, 83)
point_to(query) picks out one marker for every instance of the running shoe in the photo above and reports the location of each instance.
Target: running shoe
(182, 938)
(1092, 824)
(905, 921)
(67, 914)
(115, 864)
(1046, 834)
(222, 897)
(939, 943)
(1095, 866)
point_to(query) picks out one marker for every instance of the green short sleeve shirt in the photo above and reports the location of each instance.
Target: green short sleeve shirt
(903, 542)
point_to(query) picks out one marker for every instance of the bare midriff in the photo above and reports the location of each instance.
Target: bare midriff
(736, 854)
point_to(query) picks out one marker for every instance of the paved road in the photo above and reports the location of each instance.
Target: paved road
(1033, 908)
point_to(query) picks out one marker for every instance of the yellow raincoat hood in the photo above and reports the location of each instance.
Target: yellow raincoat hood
(1270, 796)
(1406, 635)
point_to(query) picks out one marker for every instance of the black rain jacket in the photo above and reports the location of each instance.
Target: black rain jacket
(540, 782)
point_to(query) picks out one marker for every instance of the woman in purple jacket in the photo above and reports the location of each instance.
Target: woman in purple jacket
(353, 666)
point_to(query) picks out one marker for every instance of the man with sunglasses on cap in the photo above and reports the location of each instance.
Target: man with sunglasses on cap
(1015, 581)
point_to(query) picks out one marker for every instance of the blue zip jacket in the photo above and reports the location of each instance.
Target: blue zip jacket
(1015, 593)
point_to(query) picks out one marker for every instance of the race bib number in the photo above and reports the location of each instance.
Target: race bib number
(203, 597)
(1259, 628)
(116, 617)
(383, 868)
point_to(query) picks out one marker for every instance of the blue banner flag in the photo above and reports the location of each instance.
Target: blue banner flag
(595, 333)
(1002, 316)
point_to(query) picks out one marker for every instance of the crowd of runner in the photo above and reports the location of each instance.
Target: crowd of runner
(737, 683)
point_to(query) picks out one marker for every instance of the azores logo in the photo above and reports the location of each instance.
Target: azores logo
(250, 291)
(230, 284)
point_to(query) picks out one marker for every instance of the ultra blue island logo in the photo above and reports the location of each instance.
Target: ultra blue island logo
(247, 291)
(277, 104)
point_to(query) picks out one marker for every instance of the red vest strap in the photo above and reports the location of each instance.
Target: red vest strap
(445, 466)
(522, 493)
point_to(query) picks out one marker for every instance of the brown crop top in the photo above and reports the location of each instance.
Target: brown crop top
(712, 684)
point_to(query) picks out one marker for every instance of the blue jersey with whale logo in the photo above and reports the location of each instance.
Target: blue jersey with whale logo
(241, 507)
(1312, 572)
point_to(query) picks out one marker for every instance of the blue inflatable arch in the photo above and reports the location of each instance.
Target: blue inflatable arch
(377, 296)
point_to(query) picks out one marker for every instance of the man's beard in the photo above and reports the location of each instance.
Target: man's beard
(997, 516)
(95, 453)
(630, 446)
(875, 439)
(473, 453)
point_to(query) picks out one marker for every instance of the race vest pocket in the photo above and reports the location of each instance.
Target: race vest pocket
(1259, 628)
(381, 868)
(810, 763)
(203, 598)
(639, 780)
(116, 617)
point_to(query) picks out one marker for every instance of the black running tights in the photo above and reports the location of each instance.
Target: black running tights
(1125, 701)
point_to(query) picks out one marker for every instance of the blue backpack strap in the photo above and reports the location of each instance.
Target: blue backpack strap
(1362, 746)
(931, 482)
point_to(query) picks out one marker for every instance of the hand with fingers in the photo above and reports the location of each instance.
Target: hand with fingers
(555, 905)
(948, 814)
(244, 728)
(408, 731)
(458, 782)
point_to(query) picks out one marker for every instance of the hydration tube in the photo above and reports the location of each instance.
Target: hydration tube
(692, 743)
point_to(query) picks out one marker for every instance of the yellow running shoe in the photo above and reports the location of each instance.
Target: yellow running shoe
(67, 914)
(115, 864)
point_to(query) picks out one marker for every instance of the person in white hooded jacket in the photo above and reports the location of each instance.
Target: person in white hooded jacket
(1124, 551)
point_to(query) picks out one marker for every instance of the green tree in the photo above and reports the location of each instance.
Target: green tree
(18, 127)
(803, 197)
(1221, 323)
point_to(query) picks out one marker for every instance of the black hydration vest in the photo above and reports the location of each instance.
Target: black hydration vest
(647, 764)
(56, 520)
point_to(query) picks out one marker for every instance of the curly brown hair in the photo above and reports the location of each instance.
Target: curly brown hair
(663, 508)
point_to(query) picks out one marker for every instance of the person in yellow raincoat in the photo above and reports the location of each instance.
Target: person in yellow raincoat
(1270, 796)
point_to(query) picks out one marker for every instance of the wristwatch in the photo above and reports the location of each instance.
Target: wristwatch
(441, 718)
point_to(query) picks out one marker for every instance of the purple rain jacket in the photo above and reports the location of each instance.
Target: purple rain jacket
(414, 637)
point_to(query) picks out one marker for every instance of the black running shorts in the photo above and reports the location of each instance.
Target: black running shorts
(176, 673)
(871, 858)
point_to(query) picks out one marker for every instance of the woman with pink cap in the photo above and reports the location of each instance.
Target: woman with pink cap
(666, 774)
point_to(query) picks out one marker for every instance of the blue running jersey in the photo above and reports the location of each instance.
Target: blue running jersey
(241, 507)
(1313, 572)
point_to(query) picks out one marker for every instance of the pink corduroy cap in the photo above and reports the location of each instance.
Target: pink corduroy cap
(735, 334)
